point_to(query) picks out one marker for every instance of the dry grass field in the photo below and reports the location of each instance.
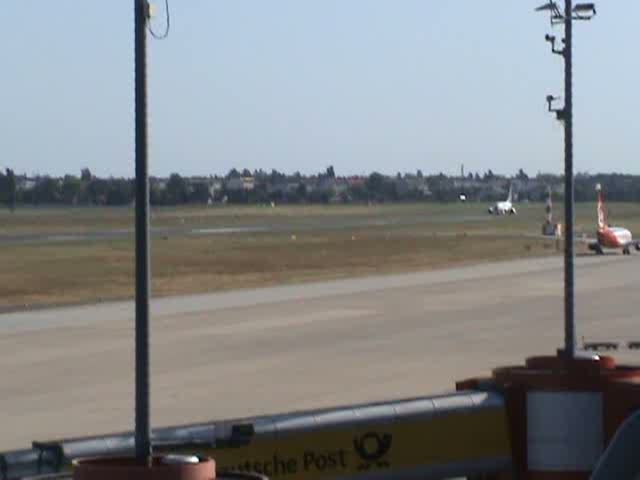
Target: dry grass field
(300, 244)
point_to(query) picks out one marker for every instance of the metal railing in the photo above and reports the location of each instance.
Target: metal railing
(460, 434)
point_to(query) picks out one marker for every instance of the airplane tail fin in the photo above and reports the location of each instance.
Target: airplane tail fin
(602, 215)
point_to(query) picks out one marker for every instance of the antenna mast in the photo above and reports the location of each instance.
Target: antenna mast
(581, 11)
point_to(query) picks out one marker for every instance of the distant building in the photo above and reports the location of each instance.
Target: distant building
(24, 183)
(419, 184)
(293, 187)
(277, 188)
(341, 186)
(214, 185)
(407, 184)
(356, 181)
(236, 184)
(326, 184)
(159, 184)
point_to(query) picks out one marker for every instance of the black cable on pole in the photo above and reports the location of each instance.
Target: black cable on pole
(143, 274)
(569, 276)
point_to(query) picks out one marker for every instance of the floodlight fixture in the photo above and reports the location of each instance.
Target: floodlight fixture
(550, 100)
(552, 40)
(560, 112)
(584, 11)
(585, 7)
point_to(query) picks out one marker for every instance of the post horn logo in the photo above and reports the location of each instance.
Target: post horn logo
(372, 448)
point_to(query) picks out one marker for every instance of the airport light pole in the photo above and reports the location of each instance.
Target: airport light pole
(581, 11)
(143, 271)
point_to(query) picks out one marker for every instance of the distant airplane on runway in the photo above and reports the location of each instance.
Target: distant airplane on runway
(611, 237)
(505, 207)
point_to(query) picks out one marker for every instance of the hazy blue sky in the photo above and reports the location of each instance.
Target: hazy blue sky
(387, 85)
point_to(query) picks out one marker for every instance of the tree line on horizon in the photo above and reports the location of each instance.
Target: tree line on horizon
(259, 187)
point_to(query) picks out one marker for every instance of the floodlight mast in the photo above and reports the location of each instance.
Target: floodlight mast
(582, 11)
(143, 273)
(569, 282)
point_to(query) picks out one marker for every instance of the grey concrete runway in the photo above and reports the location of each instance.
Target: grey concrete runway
(64, 237)
(292, 225)
(68, 372)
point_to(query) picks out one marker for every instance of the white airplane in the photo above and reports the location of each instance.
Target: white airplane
(506, 207)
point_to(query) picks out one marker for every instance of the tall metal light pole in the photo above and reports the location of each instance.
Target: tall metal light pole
(582, 11)
(143, 273)
(569, 307)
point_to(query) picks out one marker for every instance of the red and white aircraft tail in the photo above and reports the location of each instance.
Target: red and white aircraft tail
(608, 236)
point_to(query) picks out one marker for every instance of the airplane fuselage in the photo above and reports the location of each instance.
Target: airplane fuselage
(611, 237)
(502, 208)
(614, 237)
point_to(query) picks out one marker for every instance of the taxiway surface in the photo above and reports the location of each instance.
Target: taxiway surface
(69, 372)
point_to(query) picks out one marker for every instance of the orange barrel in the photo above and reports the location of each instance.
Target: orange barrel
(563, 412)
(166, 467)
